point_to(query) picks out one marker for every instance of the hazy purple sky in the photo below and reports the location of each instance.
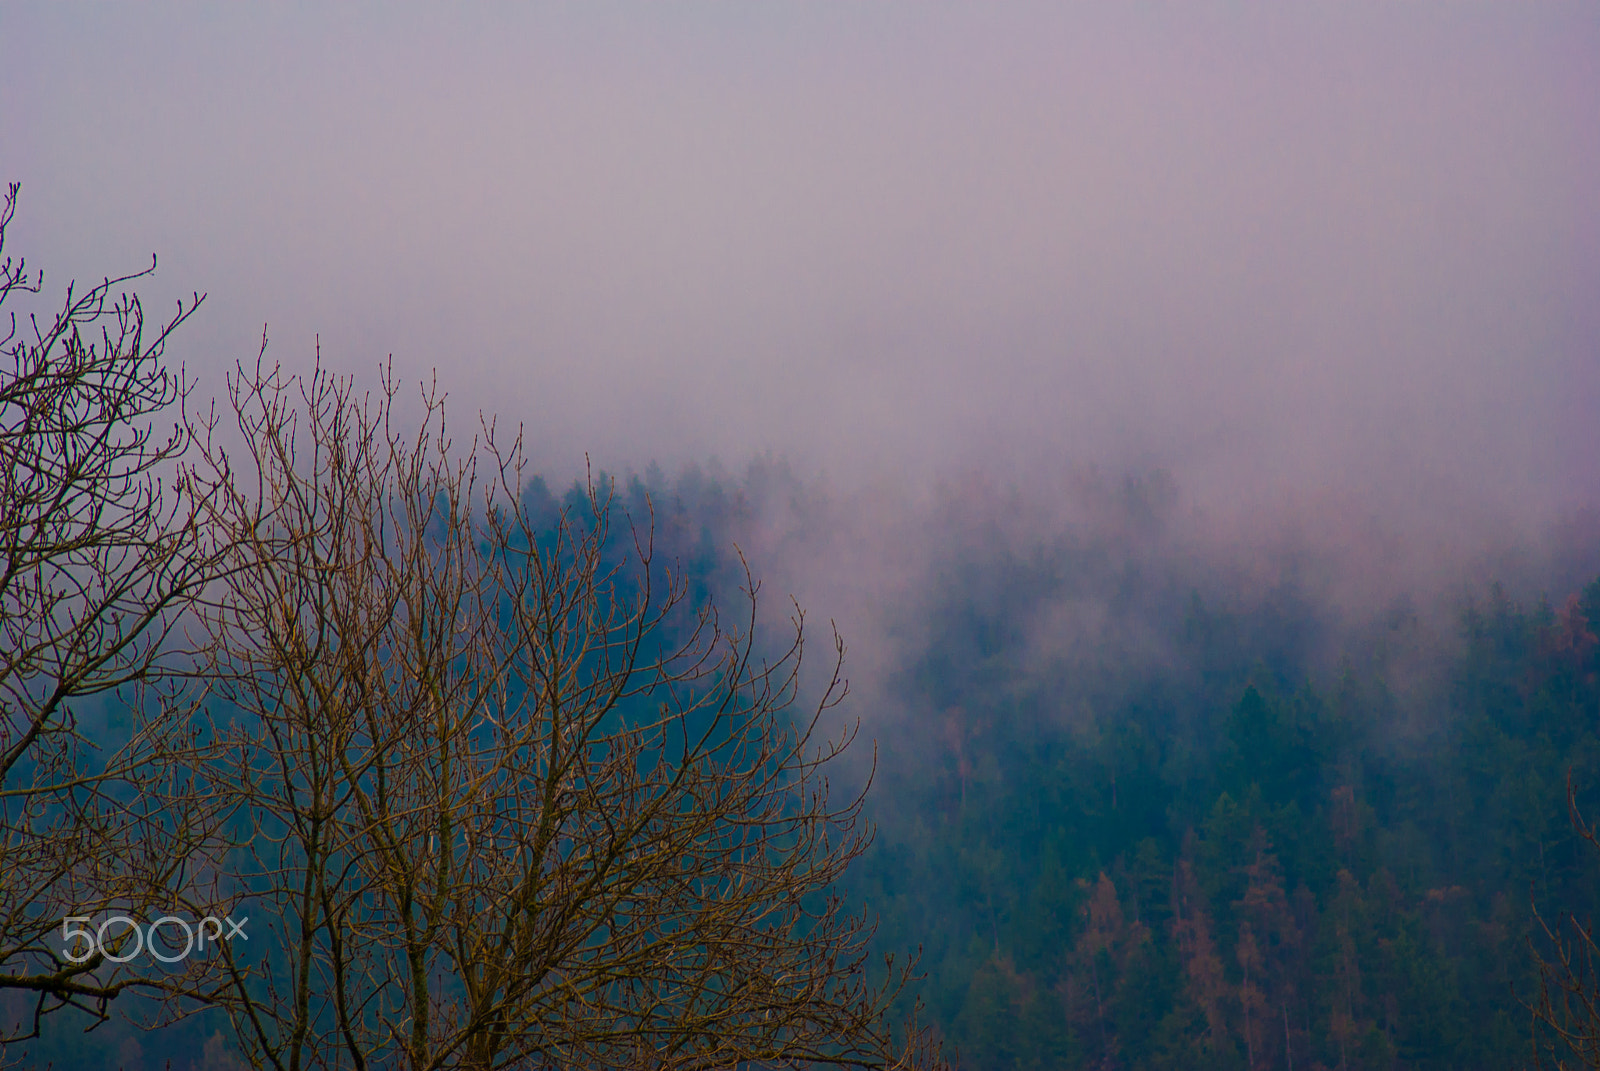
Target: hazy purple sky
(1329, 244)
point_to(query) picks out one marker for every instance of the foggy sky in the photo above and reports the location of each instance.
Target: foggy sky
(1343, 249)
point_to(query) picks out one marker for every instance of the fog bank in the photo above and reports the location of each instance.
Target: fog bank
(1340, 251)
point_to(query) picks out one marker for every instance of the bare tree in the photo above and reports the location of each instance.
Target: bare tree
(1566, 1012)
(512, 801)
(99, 557)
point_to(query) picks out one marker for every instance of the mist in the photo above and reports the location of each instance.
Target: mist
(1325, 276)
(1348, 250)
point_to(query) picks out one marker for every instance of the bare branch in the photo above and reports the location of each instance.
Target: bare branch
(512, 800)
(101, 552)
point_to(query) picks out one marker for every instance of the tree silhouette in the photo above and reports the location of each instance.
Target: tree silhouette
(102, 549)
(508, 798)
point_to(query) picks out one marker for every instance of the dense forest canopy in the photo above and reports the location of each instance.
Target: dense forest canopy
(1145, 804)
(1148, 800)
(1154, 818)
(1152, 799)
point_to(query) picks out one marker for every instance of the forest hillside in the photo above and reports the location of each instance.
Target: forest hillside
(1144, 805)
